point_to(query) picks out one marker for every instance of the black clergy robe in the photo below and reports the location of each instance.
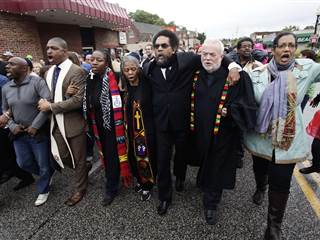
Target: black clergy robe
(141, 94)
(217, 154)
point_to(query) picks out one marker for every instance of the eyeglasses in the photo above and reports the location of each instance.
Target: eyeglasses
(133, 69)
(163, 45)
(284, 45)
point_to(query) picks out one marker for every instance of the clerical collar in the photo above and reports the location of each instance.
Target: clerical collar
(165, 68)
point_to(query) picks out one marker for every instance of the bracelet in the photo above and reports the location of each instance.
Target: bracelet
(50, 107)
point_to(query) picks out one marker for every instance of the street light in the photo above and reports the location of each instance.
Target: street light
(317, 20)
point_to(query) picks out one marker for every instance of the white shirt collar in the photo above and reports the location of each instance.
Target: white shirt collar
(64, 63)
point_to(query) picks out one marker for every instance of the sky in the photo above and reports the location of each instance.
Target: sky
(230, 18)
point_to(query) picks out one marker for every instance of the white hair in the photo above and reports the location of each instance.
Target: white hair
(215, 43)
(130, 58)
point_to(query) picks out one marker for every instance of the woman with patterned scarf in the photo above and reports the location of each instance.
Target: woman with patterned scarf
(103, 109)
(139, 122)
(279, 140)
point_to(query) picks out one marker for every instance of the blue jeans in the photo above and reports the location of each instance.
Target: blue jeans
(34, 156)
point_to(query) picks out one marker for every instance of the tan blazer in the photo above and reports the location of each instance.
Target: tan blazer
(74, 121)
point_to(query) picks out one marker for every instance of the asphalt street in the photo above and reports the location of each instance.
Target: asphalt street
(129, 218)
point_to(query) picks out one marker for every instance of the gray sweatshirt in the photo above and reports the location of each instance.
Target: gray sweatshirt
(22, 100)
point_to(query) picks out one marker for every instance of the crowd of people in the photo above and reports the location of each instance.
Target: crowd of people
(195, 108)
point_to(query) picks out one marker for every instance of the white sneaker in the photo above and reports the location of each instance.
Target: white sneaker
(41, 199)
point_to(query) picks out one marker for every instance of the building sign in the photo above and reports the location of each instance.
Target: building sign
(304, 39)
(122, 38)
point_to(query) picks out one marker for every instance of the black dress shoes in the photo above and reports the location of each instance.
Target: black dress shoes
(163, 207)
(210, 216)
(308, 170)
(179, 185)
(23, 184)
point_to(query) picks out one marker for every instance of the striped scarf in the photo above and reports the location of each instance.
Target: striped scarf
(109, 85)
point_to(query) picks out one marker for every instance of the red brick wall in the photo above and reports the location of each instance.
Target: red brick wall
(70, 33)
(23, 35)
(19, 34)
(106, 38)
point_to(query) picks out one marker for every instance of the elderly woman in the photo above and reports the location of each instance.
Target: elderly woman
(138, 113)
(279, 140)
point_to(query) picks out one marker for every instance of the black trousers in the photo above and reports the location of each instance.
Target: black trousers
(279, 175)
(111, 158)
(8, 162)
(211, 199)
(165, 140)
(315, 149)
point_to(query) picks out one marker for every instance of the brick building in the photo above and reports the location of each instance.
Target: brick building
(27, 25)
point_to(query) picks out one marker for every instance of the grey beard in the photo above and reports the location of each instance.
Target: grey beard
(214, 68)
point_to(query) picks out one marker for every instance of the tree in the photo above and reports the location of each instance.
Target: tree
(145, 17)
(201, 37)
(291, 28)
(309, 28)
(171, 23)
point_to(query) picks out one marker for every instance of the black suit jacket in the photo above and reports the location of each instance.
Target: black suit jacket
(171, 96)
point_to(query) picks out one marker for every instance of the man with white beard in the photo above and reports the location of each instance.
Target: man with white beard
(221, 111)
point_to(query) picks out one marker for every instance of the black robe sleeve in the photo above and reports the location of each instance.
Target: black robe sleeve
(243, 108)
(226, 61)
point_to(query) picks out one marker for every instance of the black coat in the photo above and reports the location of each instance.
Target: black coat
(171, 97)
(217, 154)
(143, 94)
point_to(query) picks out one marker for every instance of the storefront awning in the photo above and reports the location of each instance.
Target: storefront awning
(95, 10)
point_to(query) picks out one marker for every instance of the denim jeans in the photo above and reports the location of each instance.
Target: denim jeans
(34, 156)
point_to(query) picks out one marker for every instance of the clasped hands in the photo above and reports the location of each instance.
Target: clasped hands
(21, 129)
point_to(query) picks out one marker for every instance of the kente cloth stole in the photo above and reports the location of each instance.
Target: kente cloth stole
(192, 113)
(141, 151)
(220, 107)
(118, 122)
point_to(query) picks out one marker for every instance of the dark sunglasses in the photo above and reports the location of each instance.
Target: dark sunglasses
(163, 45)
